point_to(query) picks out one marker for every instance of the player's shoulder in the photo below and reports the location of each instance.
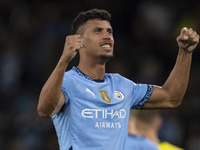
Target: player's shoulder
(137, 141)
(115, 75)
(71, 72)
(118, 79)
(166, 146)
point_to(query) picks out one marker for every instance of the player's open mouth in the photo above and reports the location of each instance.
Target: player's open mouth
(106, 45)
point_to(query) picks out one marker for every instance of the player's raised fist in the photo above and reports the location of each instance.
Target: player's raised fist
(188, 39)
(72, 44)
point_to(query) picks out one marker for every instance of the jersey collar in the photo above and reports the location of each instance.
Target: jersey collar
(80, 73)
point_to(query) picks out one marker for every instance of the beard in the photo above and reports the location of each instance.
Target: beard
(105, 58)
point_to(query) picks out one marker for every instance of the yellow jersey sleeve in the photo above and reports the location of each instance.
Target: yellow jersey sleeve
(168, 146)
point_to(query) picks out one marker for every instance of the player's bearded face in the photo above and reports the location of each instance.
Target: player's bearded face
(98, 39)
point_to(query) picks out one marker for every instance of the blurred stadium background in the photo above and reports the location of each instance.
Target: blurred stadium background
(32, 36)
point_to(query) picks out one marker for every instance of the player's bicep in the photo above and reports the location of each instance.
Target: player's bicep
(158, 99)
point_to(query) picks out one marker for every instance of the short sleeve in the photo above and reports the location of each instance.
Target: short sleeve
(141, 94)
(67, 97)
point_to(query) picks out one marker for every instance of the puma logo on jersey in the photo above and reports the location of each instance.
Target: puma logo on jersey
(88, 90)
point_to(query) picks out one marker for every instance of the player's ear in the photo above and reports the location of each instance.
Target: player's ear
(81, 30)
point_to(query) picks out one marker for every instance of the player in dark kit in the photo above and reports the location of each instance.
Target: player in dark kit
(90, 108)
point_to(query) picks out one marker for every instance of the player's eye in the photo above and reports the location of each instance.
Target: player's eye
(110, 31)
(97, 30)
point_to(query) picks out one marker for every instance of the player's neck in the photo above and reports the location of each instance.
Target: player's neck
(152, 135)
(94, 71)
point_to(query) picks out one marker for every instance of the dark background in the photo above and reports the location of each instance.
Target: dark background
(32, 36)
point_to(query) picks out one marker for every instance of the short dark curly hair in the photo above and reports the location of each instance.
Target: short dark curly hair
(83, 17)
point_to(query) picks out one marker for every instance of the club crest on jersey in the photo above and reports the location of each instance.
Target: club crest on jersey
(104, 96)
(118, 95)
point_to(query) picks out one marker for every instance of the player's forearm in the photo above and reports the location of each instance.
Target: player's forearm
(52, 90)
(177, 82)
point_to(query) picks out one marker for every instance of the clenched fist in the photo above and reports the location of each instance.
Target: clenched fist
(72, 44)
(188, 39)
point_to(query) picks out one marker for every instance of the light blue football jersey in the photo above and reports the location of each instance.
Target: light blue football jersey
(140, 143)
(95, 114)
